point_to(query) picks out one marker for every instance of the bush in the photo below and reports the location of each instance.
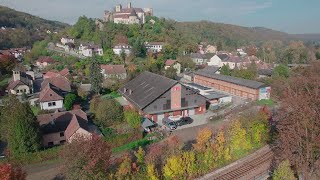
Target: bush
(133, 145)
(69, 100)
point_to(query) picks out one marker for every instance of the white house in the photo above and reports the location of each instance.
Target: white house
(199, 59)
(154, 47)
(89, 49)
(172, 63)
(224, 59)
(127, 49)
(114, 71)
(22, 82)
(65, 40)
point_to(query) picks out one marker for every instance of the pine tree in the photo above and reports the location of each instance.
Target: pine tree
(95, 76)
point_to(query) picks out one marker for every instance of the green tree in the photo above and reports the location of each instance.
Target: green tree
(22, 127)
(190, 163)
(283, 172)
(140, 154)
(238, 142)
(318, 55)
(133, 118)
(95, 76)
(281, 71)
(174, 167)
(171, 72)
(225, 70)
(69, 100)
(123, 56)
(108, 112)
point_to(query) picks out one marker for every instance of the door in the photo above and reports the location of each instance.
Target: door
(191, 112)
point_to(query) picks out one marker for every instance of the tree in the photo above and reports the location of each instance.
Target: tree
(219, 46)
(140, 154)
(124, 170)
(8, 172)
(95, 76)
(7, 63)
(123, 56)
(225, 70)
(108, 112)
(186, 63)
(203, 140)
(222, 152)
(133, 118)
(283, 172)
(238, 143)
(174, 167)
(171, 72)
(152, 172)
(69, 100)
(318, 55)
(86, 158)
(281, 71)
(298, 122)
(22, 127)
(189, 160)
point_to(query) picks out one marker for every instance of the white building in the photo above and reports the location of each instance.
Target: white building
(127, 15)
(65, 40)
(224, 59)
(119, 48)
(89, 49)
(154, 47)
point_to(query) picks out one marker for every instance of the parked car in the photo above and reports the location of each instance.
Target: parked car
(169, 124)
(184, 121)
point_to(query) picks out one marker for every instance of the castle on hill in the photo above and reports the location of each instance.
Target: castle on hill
(129, 15)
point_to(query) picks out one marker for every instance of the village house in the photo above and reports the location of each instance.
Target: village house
(129, 15)
(173, 63)
(114, 71)
(199, 59)
(44, 61)
(22, 82)
(157, 97)
(244, 88)
(89, 49)
(225, 59)
(265, 73)
(122, 47)
(62, 127)
(17, 53)
(154, 47)
(53, 91)
(52, 74)
(66, 40)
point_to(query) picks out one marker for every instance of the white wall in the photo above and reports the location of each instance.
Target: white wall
(22, 89)
(45, 105)
(214, 61)
(117, 51)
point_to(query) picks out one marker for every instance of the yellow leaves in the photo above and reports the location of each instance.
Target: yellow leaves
(203, 139)
(140, 153)
(190, 165)
(174, 167)
(238, 142)
(151, 172)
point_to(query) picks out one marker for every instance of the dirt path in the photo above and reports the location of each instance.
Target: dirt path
(45, 171)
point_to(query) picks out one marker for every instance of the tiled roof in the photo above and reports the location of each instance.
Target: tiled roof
(14, 84)
(75, 124)
(146, 88)
(198, 56)
(233, 80)
(59, 121)
(113, 69)
(266, 72)
(50, 74)
(50, 93)
(59, 82)
(170, 62)
(64, 72)
(46, 59)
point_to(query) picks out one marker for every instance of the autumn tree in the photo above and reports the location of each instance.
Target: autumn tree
(86, 158)
(125, 170)
(95, 76)
(9, 172)
(225, 70)
(222, 152)
(298, 122)
(238, 142)
(152, 172)
(171, 72)
(7, 63)
(133, 118)
(283, 172)
(203, 140)
(174, 167)
(21, 125)
(140, 155)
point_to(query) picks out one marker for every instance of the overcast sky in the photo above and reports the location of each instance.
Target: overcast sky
(292, 16)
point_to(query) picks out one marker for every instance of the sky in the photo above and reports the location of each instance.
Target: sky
(291, 16)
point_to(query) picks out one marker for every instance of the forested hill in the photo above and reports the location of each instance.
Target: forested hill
(209, 31)
(22, 29)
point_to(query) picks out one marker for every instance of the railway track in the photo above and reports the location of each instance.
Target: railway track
(246, 168)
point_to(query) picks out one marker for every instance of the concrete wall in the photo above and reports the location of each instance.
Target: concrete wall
(234, 89)
(45, 105)
(22, 89)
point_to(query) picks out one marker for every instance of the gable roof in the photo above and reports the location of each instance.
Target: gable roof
(198, 56)
(223, 56)
(233, 80)
(46, 59)
(170, 62)
(59, 121)
(113, 69)
(75, 124)
(146, 88)
(14, 84)
(50, 93)
(64, 72)
(50, 74)
(59, 82)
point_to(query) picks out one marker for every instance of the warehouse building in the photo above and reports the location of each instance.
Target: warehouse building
(236, 86)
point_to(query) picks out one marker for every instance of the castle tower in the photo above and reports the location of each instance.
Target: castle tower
(16, 75)
(129, 5)
(118, 8)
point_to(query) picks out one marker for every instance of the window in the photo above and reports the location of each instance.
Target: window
(61, 134)
(51, 104)
(17, 90)
(50, 143)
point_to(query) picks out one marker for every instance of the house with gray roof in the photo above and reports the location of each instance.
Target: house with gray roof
(157, 97)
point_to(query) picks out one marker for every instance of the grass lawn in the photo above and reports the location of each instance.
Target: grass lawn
(268, 102)
(111, 95)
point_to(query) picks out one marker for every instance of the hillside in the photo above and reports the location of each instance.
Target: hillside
(22, 29)
(212, 32)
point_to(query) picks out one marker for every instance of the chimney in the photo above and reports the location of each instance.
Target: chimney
(129, 5)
